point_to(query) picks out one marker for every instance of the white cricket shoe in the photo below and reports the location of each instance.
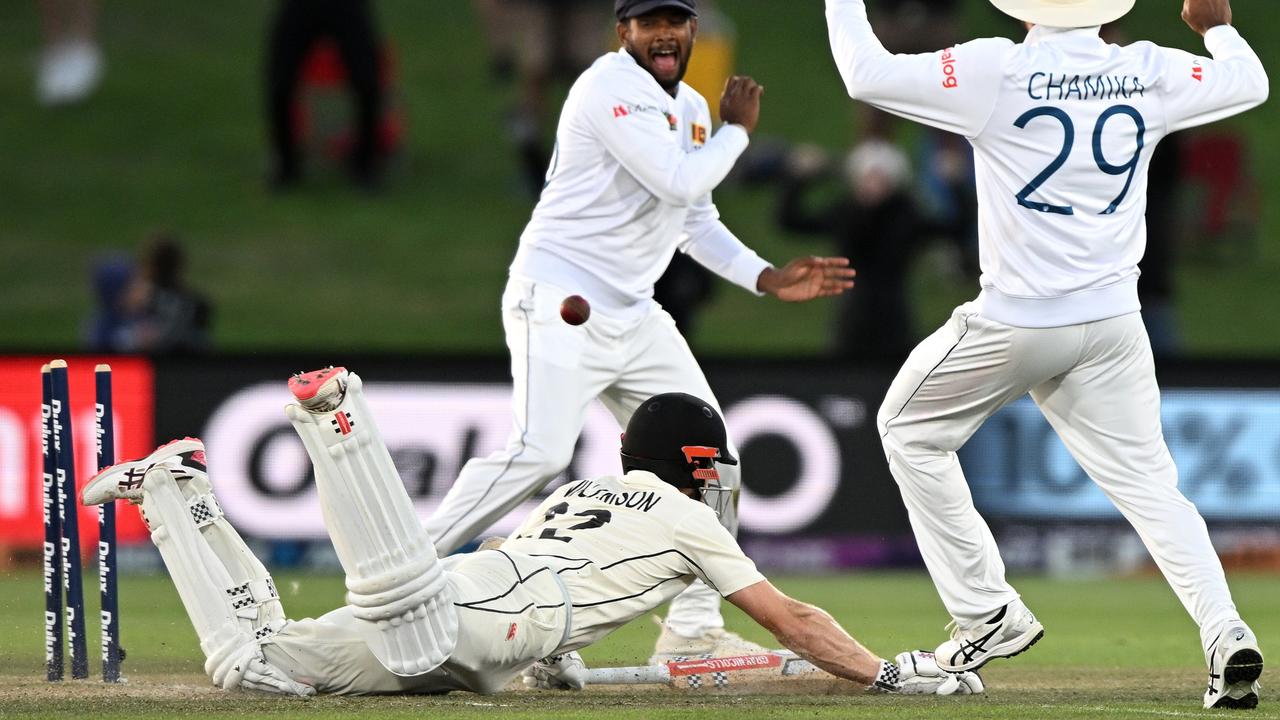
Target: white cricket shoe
(320, 391)
(1235, 663)
(123, 481)
(717, 642)
(1011, 630)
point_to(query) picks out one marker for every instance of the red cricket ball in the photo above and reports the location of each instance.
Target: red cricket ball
(575, 310)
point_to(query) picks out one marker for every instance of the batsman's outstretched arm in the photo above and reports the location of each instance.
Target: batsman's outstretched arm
(808, 631)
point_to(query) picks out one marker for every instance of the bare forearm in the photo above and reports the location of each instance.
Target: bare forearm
(815, 636)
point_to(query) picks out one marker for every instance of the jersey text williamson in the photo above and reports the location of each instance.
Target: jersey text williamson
(644, 501)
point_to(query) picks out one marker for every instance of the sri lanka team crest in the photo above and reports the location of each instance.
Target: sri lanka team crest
(699, 134)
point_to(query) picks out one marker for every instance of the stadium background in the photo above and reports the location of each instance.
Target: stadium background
(403, 287)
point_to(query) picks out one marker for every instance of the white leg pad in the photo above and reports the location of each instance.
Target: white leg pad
(230, 598)
(396, 585)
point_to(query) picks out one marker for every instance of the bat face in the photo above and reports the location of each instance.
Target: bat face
(771, 673)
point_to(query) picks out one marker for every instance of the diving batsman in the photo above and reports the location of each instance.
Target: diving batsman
(594, 556)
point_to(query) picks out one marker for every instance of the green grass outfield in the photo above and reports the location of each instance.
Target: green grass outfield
(1114, 648)
(175, 139)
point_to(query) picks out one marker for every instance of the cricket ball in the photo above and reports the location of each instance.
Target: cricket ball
(575, 310)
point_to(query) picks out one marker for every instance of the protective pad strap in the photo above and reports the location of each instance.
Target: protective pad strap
(204, 509)
(224, 599)
(252, 594)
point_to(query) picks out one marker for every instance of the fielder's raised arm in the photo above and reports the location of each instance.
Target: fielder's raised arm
(943, 89)
(1200, 91)
(634, 124)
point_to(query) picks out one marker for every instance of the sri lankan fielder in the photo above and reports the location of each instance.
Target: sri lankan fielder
(629, 184)
(1063, 126)
(595, 555)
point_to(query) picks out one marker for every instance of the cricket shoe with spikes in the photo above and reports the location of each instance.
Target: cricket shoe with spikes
(1011, 630)
(717, 642)
(1235, 664)
(320, 391)
(123, 481)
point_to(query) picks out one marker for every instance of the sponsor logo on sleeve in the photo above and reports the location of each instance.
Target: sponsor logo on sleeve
(950, 80)
(627, 110)
(1197, 72)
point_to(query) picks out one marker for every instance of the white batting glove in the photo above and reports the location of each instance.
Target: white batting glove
(262, 676)
(558, 672)
(919, 674)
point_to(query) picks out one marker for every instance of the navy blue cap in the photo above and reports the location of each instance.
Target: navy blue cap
(627, 9)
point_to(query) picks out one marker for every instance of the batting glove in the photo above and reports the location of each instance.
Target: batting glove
(265, 677)
(918, 674)
(558, 672)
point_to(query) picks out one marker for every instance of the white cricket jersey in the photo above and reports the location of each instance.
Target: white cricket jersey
(624, 545)
(1063, 126)
(629, 182)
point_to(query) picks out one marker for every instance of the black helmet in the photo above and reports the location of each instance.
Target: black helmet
(679, 438)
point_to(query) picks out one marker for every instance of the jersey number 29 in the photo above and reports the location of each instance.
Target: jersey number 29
(1069, 134)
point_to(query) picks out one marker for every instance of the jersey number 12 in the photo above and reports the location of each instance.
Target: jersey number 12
(596, 518)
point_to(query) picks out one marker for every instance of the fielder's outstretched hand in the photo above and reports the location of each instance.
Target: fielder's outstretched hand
(807, 278)
(558, 672)
(922, 676)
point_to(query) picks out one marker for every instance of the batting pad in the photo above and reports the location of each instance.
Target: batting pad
(226, 591)
(395, 583)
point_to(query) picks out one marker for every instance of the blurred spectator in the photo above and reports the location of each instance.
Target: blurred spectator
(1156, 284)
(297, 27)
(111, 327)
(687, 286)
(877, 224)
(71, 62)
(540, 42)
(714, 61)
(910, 26)
(922, 26)
(172, 318)
(915, 26)
(682, 291)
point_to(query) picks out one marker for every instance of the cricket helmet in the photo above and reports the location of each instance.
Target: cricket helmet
(680, 438)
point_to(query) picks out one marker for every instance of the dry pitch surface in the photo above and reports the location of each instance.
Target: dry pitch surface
(1015, 693)
(1114, 649)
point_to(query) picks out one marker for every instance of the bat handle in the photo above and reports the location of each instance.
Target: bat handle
(642, 675)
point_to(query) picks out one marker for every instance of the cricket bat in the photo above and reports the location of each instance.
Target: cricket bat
(771, 673)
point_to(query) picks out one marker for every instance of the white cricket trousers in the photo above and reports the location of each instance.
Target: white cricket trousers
(557, 370)
(1095, 383)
